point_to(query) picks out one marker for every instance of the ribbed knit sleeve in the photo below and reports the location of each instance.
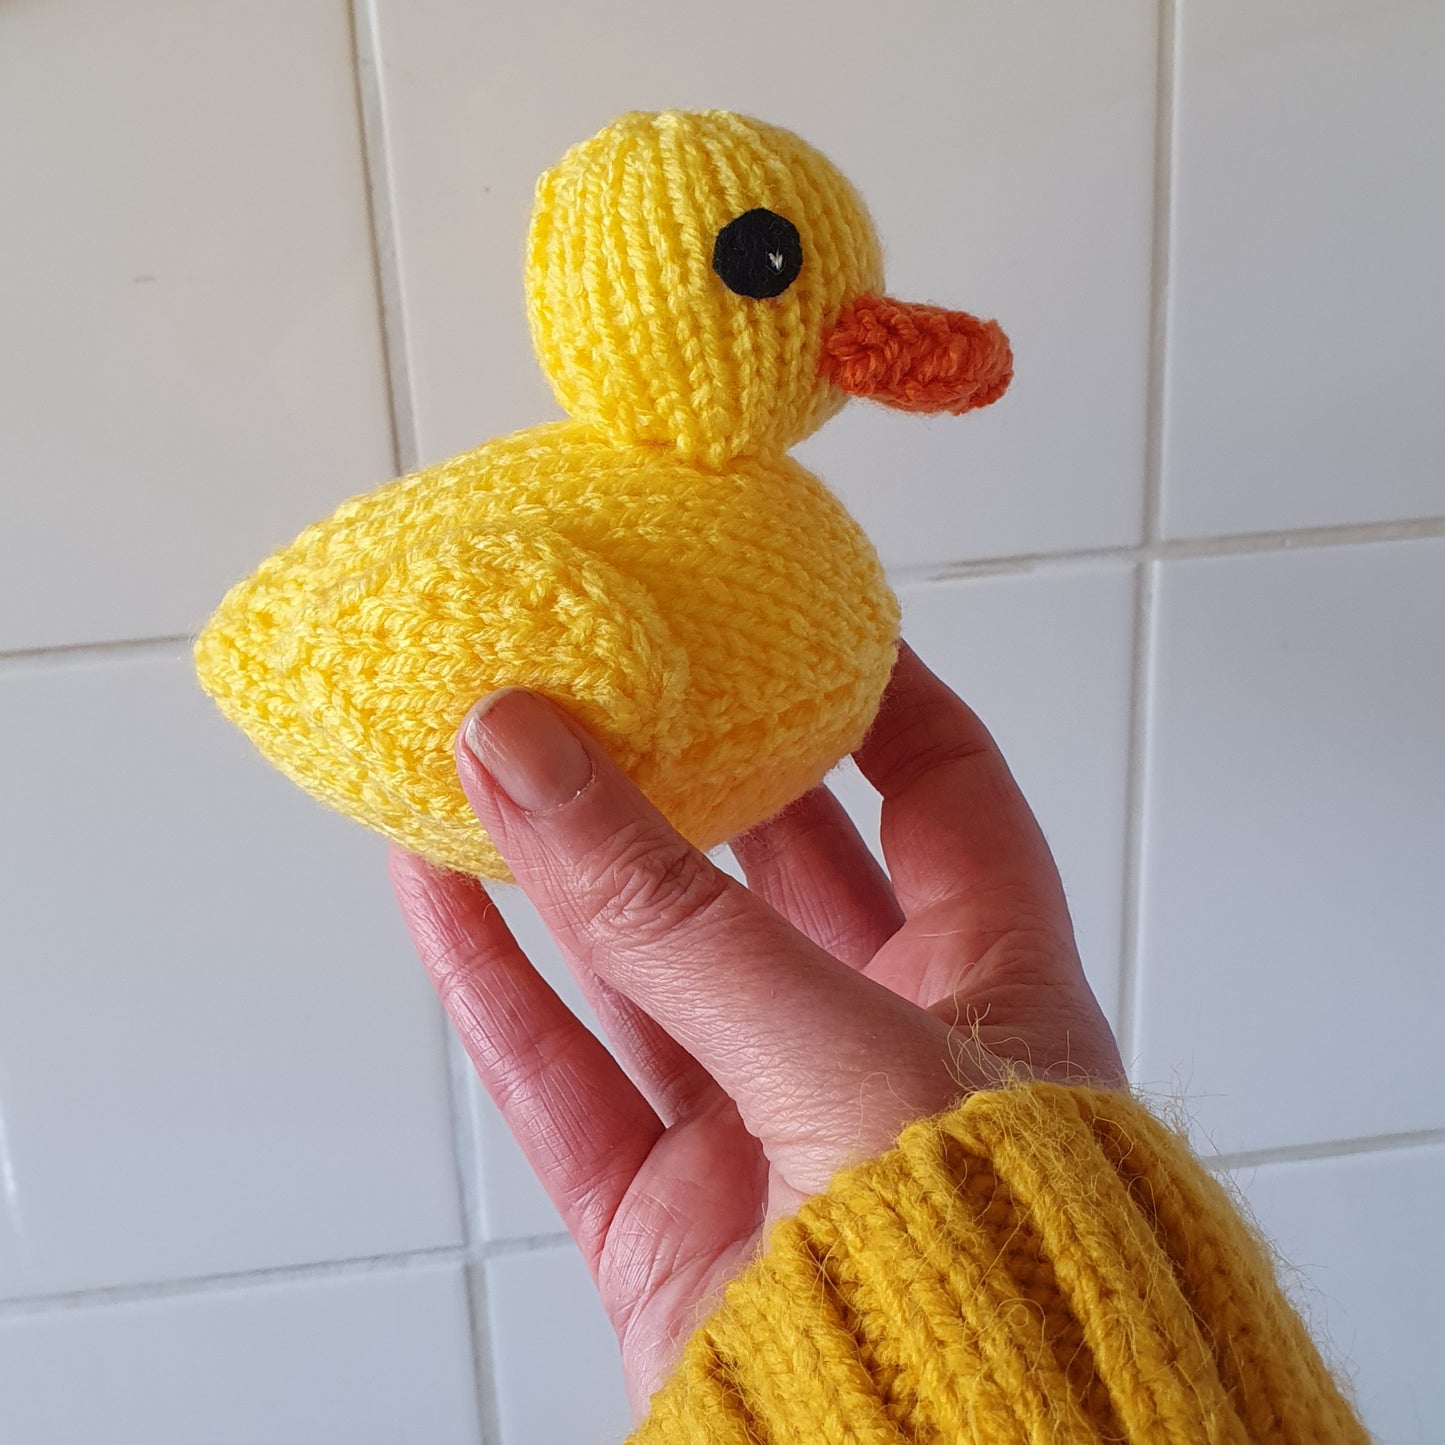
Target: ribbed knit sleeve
(1042, 1264)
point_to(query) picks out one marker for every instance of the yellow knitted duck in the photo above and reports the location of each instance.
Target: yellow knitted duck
(704, 291)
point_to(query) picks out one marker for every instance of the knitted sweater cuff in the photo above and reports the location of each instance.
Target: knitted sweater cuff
(1040, 1263)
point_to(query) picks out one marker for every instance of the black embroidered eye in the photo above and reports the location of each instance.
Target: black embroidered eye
(758, 254)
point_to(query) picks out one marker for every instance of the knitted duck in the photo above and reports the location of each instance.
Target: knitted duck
(704, 291)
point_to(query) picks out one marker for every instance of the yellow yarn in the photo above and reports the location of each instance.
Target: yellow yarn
(1043, 1264)
(657, 565)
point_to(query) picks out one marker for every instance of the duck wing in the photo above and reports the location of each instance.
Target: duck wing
(354, 680)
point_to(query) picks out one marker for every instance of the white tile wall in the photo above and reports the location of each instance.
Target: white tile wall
(1354, 1231)
(545, 1319)
(1295, 842)
(375, 1359)
(229, 1158)
(216, 1053)
(191, 369)
(1305, 373)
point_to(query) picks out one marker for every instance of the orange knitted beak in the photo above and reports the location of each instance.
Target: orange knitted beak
(916, 358)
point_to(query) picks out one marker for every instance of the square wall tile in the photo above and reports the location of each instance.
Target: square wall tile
(1305, 374)
(191, 366)
(1295, 843)
(382, 1358)
(1045, 660)
(1360, 1236)
(555, 1360)
(217, 1050)
(1006, 152)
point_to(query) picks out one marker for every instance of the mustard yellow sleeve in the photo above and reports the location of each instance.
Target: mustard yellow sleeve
(1043, 1264)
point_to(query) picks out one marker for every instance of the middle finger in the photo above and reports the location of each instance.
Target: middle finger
(810, 864)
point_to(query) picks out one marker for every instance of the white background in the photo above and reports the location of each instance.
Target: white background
(1192, 570)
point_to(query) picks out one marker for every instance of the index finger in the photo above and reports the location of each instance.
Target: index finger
(772, 1017)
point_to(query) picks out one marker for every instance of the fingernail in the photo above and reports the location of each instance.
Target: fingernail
(530, 753)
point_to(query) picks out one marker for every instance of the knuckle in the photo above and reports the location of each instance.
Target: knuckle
(454, 943)
(521, 1070)
(923, 746)
(649, 884)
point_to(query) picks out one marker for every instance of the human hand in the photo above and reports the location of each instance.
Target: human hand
(771, 1034)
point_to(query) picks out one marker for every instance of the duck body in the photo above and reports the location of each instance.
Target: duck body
(726, 634)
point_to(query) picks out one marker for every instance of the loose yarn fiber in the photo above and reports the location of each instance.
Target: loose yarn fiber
(657, 565)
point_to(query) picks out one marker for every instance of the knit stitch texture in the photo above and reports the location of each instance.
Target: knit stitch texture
(1044, 1264)
(726, 641)
(657, 565)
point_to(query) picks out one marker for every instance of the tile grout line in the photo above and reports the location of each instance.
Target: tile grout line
(361, 1265)
(237, 1279)
(1160, 269)
(1158, 549)
(27, 658)
(1126, 1000)
(366, 56)
(524, 1244)
(351, 1268)
(1141, 678)
(466, 1156)
(1331, 1149)
(381, 213)
(1016, 564)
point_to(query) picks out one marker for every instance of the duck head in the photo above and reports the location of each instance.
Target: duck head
(703, 281)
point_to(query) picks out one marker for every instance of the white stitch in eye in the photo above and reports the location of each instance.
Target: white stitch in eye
(775, 260)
